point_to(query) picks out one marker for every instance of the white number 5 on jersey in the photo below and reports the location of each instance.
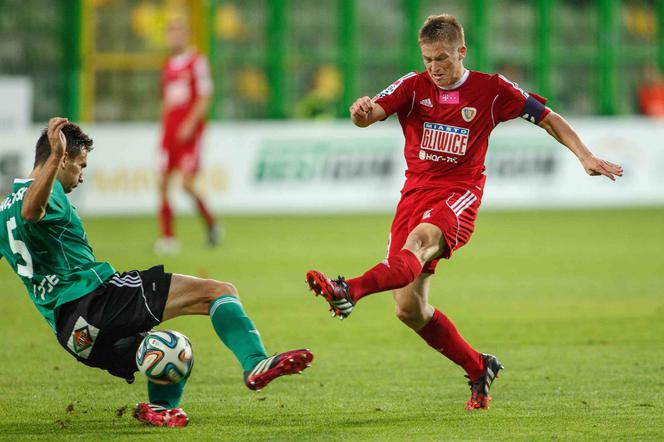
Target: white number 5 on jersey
(19, 247)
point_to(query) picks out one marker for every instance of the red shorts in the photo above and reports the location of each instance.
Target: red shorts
(453, 209)
(184, 157)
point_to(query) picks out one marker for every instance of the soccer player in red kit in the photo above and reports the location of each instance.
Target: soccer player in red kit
(186, 91)
(447, 113)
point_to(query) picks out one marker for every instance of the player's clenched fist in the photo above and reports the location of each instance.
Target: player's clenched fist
(56, 138)
(361, 108)
(365, 112)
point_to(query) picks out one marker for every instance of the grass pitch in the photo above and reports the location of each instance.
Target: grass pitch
(571, 302)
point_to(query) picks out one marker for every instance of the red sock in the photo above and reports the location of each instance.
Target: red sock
(166, 217)
(395, 272)
(443, 336)
(205, 213)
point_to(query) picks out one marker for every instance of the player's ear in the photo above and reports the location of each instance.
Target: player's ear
(462, 52)
(64, 161)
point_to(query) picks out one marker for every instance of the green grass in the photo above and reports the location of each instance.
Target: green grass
(572, 302)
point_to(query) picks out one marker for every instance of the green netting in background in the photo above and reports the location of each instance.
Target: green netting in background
(310, 59)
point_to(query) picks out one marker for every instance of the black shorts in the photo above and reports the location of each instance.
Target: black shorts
(104, 328)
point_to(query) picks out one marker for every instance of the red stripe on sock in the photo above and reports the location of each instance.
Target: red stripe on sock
(166, 217)
(205, 213)
(395, 272)
(443, 336)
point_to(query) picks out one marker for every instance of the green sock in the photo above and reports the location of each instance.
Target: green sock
(237, 331)
(167, 396)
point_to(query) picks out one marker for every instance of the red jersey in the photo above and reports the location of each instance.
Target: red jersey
(184, 78)
(447, 130)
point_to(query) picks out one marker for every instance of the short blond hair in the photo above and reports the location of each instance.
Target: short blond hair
(443, 27)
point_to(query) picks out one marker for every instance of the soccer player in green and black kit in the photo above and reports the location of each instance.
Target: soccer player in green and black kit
(99, 315)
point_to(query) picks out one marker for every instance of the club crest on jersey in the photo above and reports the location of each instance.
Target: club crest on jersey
(468, 113)
(442, 138)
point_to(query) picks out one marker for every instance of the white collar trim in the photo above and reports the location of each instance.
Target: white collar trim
(22, 180)
(459, 82)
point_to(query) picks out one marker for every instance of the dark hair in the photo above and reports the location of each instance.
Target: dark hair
(77, 141)
(444, 27)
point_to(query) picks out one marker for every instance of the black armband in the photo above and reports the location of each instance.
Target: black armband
(533, 110)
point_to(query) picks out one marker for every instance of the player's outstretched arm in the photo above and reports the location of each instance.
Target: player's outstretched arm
(364, 112)
(565, 134)
(36, 197)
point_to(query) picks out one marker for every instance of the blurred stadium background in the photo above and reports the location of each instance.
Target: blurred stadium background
(277, 63)
(579, 289)
(98, 60)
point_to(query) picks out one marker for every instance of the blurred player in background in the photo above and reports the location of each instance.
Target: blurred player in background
(651, 92)
(99, 315)
(186, 93)
(447, 113)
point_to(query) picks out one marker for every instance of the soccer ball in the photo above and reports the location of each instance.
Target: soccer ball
(165, 357)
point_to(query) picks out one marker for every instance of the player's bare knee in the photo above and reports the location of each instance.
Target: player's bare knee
(417, 242)
(211, 290)
(189, 186)
(414, 243)
(409, 315)
(221, 288)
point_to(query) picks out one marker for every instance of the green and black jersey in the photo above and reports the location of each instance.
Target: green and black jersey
(52, 257)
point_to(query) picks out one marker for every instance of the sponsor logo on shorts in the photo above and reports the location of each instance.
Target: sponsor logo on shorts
(427, 214)
(442, 138)
(82, 338)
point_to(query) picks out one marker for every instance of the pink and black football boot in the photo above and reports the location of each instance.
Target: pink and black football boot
(479, 388)
(290, 362)
(158, 416)
(335, 291)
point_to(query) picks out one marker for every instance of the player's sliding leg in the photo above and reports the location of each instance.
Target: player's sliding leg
(238, 333)
(437, 330)
(190, 295)
(213, 229)
(163, 410)
(167, 396)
